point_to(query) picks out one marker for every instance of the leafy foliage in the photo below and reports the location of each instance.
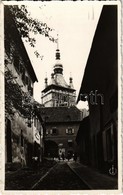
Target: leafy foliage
(16, 99)
(28, 26)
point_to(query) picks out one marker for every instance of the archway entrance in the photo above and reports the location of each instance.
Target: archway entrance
(50, 149)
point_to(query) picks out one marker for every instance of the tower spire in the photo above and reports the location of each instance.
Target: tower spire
(57, 50)
(57, 41)
(58, 68)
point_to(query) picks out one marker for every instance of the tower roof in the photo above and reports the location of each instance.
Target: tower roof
(58, 87)
(57, 79)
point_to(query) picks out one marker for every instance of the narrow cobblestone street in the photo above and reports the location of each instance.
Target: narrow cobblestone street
(56, 177)
(61, 178)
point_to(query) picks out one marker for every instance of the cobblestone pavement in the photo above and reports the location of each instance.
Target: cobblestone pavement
(24, 179)
(94, 179)
(61, 178)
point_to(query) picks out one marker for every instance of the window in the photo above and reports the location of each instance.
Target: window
(56, 103)
(30, 89)
(65, 99)
(54, 131)
(70, 131)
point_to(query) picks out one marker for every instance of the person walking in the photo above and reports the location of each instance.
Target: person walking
(62, 156)
(75, 157)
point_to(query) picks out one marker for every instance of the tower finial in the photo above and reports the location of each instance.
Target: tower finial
(57, 41)
(58, 68)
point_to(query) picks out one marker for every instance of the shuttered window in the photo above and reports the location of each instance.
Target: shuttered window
(70, 131)
(54, 131)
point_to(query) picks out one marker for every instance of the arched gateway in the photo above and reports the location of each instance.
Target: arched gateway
(51, 149)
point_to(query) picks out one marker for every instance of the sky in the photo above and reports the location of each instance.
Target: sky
(75, 22)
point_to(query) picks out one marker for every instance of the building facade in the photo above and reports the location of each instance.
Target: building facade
(20, 130)
(83, 140)
(101, 74)
(62, 124)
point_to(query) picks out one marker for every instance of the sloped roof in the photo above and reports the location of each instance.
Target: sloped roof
(59, 80)
(54, 86)
(61, 114)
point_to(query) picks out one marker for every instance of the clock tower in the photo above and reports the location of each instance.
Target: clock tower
(58, 93)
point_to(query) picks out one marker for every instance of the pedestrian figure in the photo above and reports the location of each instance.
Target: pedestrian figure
(59, 157)
(35, 162)
(63, 156)
(75, 157)
(68, 156)
(23, 161)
